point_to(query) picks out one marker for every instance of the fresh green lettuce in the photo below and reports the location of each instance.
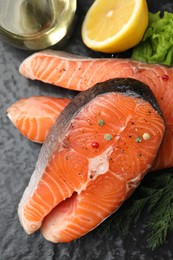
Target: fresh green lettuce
(157, 43)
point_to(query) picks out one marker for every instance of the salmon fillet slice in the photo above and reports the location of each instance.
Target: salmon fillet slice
(34, 116)
(96, 154)
(81, 213)
(80, 73)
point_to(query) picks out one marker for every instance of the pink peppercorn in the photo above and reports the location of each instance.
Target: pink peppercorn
(165, 77)
(95, 145)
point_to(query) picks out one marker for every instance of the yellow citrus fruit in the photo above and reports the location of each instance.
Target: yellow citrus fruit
(115, 25)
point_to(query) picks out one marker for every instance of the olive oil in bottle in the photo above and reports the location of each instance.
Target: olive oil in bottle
(36, 24)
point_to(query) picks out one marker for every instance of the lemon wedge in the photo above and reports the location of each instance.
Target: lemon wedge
(115, 25)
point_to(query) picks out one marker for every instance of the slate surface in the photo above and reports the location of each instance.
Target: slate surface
(18, 157)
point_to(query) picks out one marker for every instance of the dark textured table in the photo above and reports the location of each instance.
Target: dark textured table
(17, 160)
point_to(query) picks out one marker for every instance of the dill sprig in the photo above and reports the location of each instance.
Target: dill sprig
(154, 197)
(160, 220)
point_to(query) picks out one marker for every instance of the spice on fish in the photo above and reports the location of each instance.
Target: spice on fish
(101, 122)
(146, 136)
(95, 144)
(108, 137)
(165, 77)
(138, 139)
(88, 120)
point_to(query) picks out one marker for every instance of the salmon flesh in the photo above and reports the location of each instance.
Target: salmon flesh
(80, 73)
(34, 116)
(96, 154)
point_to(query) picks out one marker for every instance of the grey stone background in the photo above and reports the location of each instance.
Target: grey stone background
(18, 157)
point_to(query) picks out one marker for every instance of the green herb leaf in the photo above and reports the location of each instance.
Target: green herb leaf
(157, 43)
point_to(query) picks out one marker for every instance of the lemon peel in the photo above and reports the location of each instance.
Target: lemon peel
(115, 26)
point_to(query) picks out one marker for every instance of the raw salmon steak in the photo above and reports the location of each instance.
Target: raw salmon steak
(35, 124)
(34, 116)
(96, 154)
(80, 73)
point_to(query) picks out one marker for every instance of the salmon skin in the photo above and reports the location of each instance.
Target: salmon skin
(96, 154)
(80, 73)
(34, 116)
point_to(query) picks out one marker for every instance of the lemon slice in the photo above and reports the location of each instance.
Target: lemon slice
(115, 25)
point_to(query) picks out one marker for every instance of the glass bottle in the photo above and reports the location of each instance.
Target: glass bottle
(36, 24)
